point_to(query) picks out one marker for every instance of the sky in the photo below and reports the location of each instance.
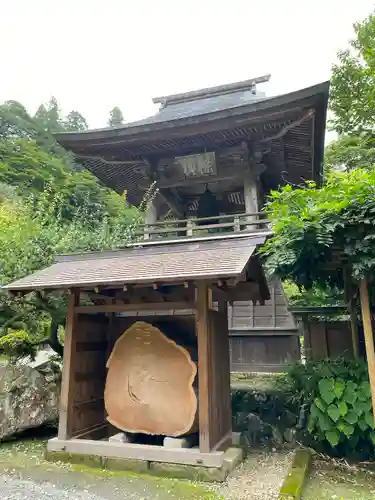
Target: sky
(94, 54)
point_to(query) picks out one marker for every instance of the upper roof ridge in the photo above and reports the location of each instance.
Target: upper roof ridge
(211, 91)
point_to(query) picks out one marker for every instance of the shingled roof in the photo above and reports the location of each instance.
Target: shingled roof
(197, 260)
(291, 125)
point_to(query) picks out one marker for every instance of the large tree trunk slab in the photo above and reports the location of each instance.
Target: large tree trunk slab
(149, 386)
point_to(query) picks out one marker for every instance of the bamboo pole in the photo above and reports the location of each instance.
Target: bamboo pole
(348, 285)
(369, 337)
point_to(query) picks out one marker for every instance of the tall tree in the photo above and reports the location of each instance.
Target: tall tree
(75, 122)
(49, 117)
(116, 118)
(353, 82)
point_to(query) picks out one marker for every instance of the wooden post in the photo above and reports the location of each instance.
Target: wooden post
(306, 337)
(203, 366)
(189, 227)
(369, 337)
(70, 358)
(250, 196)
(348, 285)
(150, 218)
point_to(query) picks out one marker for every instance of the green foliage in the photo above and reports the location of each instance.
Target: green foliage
(349, 152)
(75, 122)
(16, 345)
(49, 117)
(314, 297)
(337, 393)
(352, 90)
(309, 224)
(48, 206)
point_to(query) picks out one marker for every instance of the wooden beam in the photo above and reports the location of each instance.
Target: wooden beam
(143, 306)
(168, 197)
(70, 358)
(172, 201)
(233, 174)
(203, 334)
(369, 337)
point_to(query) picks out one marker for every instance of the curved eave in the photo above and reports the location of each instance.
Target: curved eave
(151, 128)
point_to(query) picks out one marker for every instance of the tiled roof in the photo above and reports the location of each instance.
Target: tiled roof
(196, 260)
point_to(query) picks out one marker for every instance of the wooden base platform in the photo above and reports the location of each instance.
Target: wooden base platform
(133, 451)
(188, 463)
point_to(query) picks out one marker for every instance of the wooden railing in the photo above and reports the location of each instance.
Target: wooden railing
(203, 227)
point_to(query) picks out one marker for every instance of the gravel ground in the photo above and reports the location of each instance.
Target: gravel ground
(12, 488)
(258, 478)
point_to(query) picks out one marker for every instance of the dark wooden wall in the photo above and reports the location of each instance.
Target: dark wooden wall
(263, 353)
(273, 314)
(263, 338)
(330, 339)
(86, 365)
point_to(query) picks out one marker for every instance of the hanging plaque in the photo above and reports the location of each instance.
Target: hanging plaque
(197, 165)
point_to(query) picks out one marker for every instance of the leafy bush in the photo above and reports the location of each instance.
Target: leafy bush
(17, 344)
(338, 397)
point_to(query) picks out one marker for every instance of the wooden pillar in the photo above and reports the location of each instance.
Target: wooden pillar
(215, 421)
(203, 334)
(369, 337)
(306, 337)
(348, 284)
(250, 193)
(70, 359)
(151, 217)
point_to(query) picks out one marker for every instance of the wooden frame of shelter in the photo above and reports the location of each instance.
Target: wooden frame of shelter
(182, 270)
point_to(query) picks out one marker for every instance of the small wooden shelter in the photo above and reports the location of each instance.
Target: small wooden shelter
(182, 270)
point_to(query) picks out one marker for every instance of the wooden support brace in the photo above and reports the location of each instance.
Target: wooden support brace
(369, 337)
(348, 284)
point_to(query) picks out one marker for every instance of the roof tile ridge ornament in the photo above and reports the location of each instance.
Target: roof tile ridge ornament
(207, 92)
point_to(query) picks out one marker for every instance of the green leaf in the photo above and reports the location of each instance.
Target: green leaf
(345, 428)
(343, 408)
(333, 437)
(325, 422)
(311, 423)
(372, 437)
(351, 417)
(314, 411)
(326, 389)
(364, 393)
(333, 412)
(320, 404)
(362, 424)
(369, 419)
(350, 396)
(363, 407)
(339, 388)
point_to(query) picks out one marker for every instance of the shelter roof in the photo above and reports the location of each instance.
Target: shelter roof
(226, 258)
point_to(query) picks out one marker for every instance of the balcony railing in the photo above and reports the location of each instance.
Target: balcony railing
(206, 227)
